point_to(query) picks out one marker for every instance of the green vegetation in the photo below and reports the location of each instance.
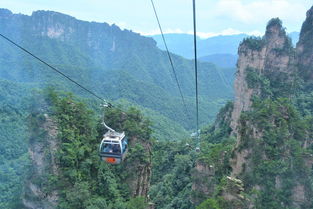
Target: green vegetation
(274, 22)
(83, 180)
(275, 135)
(220, 130)
(283, 132)
(14, 160)
(254, 43)
(276, 162)
(144, 80)
(172, 165)
(213, 203)
(272, 159)
(256, 80)
(121, 75)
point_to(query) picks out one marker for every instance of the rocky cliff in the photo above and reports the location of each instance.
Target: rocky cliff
(271, 71)
(42, 152)
(270, 165)
(270, 55)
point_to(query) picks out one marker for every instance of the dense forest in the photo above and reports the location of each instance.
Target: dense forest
(257, 153)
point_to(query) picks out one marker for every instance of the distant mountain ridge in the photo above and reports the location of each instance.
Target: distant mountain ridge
(115, 63)
(220, 50)
(221, 60)
(182, 44)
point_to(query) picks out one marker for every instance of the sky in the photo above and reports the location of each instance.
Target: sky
(214, 17)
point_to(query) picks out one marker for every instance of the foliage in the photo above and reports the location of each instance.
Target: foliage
(220, 130)
(82, 176)
(171, 175)
(272, 84)
(85, 55)
(255, 80)
(274, 22)
(210, 203)
(283, 132)
(253, 43)
(137, 203)
(14, 161)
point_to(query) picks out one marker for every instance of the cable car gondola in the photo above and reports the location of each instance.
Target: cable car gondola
(113, 147)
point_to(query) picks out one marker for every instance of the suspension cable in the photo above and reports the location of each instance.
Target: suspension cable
(196, 66)
(56, 70)
(170, 60)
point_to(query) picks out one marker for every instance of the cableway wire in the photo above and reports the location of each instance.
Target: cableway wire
(56, 70)
(196, 68)
(170, 60)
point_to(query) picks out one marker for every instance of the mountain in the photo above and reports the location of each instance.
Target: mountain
(221, 60)
(262, 151)
(114, 63)
(258, 153)
(219, 50)
(182, 44)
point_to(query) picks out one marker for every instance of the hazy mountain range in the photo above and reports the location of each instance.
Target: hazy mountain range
(220, 50)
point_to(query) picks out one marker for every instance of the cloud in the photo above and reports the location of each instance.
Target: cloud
(226, 32)
(203, 35)
(157, 31)
(259, 11)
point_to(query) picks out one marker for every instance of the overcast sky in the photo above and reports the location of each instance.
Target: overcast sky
(214, 17)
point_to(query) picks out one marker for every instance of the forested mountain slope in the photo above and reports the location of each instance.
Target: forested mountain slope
(115, 63)
(14, 159)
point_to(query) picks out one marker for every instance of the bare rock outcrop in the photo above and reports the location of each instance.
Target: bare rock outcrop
(261, 56)
(139, 170)
(42, 150)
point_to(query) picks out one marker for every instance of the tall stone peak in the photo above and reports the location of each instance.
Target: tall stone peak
(271, 77)
(274, 27)
(275, 35)
(305, 45)
(261, 57)
(307, 27)
(267, 68)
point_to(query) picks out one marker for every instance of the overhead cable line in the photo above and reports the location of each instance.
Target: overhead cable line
(170, 59)
(56, 70)
(196, 66)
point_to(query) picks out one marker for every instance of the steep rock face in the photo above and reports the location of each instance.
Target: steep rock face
(42, 150)
(271, 162)
(263, 57)
(203, 182)
(275, 66)
(140, 170)
(305, 44)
